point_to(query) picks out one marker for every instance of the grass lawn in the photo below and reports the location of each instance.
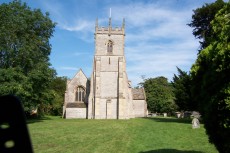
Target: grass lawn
(140, 135)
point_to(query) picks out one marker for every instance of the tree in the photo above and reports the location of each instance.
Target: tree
(13, 81)
(24, 54)
(201, 22)
(182, 91)
(159, 94)
(211, 82)
(59, 86)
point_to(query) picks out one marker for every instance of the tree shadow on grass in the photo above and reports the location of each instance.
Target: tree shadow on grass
(170, 151)
(170, 120)
(37, 119)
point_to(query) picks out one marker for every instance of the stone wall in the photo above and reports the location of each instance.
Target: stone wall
(101, 44)
(107, 109)
(76, 113)
(140, 108)
(72, 108)
(109, 84)
(79, 80)
(111, 95)
(109, 63)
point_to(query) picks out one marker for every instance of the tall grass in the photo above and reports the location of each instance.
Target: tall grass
(140, 135)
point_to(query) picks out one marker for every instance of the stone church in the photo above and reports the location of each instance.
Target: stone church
(107, 94)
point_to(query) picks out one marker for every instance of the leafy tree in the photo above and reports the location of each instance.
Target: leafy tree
(59, 86)
(24, 54)
(201, 22)
(211, 82)
(13, 81)
(159, 94)
(182, 91)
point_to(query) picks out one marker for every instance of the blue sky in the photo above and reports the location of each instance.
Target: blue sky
(157, 37)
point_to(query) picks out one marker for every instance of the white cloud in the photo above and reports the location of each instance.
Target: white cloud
(80, 25)
(157, 40)
(55, 9)
(144, 14)
(154, 60)
(83, 28)
(70, 20)
(157, 37)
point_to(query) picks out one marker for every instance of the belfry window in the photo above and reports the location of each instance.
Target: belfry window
(80, 94)
(110, 46)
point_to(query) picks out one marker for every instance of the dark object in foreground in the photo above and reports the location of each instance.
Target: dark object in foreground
(14, 135)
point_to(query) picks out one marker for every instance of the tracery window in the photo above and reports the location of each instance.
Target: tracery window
(110, 46)
(80, 94)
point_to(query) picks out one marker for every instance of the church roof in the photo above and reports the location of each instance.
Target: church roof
(138, 94)
(79, 73)
(76, 105)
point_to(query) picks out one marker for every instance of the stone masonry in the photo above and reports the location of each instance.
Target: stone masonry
(108, 94)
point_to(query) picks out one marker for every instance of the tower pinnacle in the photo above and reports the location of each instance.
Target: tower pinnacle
(123, 23)
(96, 24)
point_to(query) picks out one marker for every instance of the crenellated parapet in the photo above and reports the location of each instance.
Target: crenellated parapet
(110, 30)
(109, 94)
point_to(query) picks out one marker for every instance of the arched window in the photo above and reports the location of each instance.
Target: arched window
(110, 46)
(80, 94)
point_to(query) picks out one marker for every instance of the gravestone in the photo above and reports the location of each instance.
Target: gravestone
(195, 123)
(178, 114)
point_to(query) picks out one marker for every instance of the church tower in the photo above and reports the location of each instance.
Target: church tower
(110, 93)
